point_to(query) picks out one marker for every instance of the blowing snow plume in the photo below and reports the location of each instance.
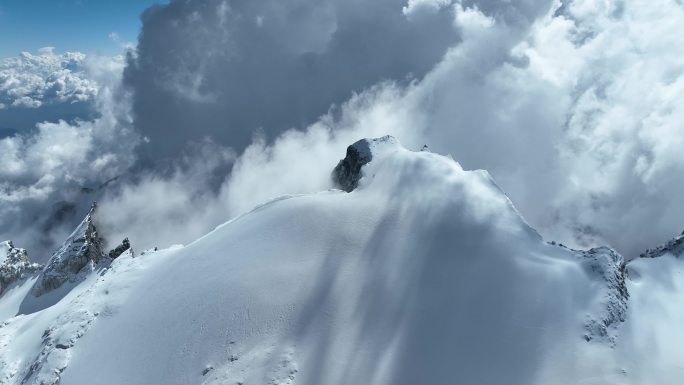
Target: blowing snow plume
(491, 86)
(423, 273)
(573, 105)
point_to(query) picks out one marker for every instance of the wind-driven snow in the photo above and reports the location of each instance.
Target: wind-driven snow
(422, 274)
(652, 336)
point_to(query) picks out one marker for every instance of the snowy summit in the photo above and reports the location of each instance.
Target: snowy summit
(415, 272)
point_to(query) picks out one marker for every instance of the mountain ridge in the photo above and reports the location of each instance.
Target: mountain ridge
(423, 273)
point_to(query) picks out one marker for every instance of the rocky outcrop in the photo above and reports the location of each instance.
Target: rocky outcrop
(84, 247)
(120, 249)
(347, 174)
(609, 268)
(674, 247)
(14, 265)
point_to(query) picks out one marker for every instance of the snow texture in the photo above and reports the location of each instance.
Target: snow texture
(609, 268)
(424, 274)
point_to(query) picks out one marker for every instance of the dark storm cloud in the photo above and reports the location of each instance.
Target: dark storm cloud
(225, 68)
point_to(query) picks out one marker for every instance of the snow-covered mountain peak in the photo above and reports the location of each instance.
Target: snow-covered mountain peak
(382, 166)
(424, 274)
(381, 170)
(14, 265)
(84, 247)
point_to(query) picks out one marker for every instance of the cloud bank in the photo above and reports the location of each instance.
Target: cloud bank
(572, 106)
(225, 68)
(33, 80)
(49, 175)
(45, 86)
(576, 117)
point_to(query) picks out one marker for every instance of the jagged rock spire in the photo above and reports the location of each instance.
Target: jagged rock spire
(14, 265)
(83, 247)
(120, 249)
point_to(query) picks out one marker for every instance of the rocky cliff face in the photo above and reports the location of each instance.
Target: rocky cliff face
(608, 268)
(14, 265)
(84, 247)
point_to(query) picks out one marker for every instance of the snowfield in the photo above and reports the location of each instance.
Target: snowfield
(423, 274)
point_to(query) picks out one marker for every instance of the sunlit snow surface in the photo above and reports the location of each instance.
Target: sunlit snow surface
(425, 274)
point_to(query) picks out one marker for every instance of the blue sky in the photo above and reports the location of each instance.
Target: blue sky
(68, 25)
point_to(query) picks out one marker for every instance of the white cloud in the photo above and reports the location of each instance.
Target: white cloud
(575, 113)
(621, 73)
(573, 108)
(45, 170)
(177, 208)
(577, 118)
(469, 19)
(30, 81)
(414, 7)
(126, 46)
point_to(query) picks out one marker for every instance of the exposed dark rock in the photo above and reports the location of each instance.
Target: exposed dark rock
(347, 173)
(120, 249)
(83, 247)
(14, 265)
(207, 370)
(675, 247)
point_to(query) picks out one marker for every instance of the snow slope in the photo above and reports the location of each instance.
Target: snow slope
(423, 274)
(653, 328)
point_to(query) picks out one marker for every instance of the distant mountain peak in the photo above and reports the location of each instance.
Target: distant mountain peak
(83, 247)
(675, 246)
(14, 265)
